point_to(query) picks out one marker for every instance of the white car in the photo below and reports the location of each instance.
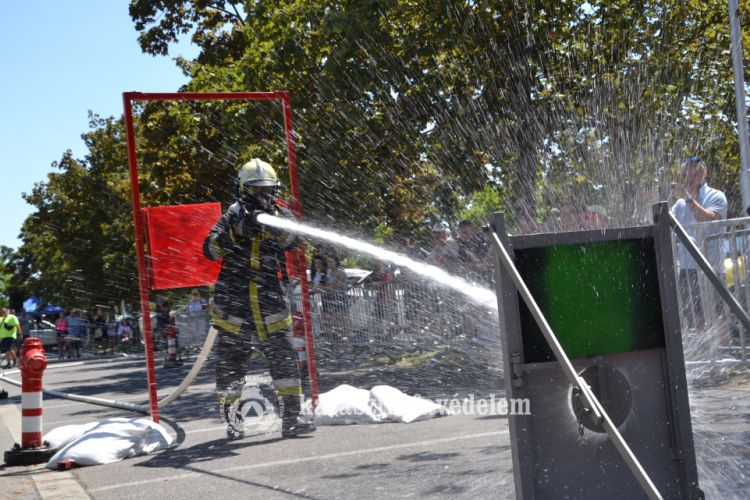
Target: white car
(353, 277)
(45, 333)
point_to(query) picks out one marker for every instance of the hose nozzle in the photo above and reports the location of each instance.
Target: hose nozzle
(256, 214)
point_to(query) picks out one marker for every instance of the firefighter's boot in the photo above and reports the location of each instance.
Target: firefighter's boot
(291, 425)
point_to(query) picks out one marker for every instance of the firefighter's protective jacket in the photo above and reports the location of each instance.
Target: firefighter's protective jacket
(248, 288)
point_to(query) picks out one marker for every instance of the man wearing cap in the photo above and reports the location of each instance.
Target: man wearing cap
(596, 217)
(445, 252)
(697, 202)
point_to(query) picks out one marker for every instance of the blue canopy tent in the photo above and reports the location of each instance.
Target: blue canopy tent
(34, 307)
(32, 304)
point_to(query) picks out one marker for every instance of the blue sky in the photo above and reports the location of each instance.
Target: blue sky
(60, 60)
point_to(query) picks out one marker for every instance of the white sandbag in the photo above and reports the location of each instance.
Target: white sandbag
(399, 407)
(343, 405)
(113, 440)
(57, 438)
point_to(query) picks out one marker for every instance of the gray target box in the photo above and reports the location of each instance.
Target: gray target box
(610, 298)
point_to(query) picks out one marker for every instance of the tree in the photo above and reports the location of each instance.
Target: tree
(77, 248)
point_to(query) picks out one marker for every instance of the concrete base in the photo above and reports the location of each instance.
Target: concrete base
(29, 456)
(172, 363)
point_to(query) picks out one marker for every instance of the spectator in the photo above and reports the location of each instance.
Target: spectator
(124, 332)
(25, 322)
(570, 217)
(385, 301)
(475, 252)
(197, 315)
(111, 326)
(61, 334)
(526, 222)
(10, 329)
(335, 301)
(596, 217)
(162, 320)
(445, 252)
(76, 330)
(699, 203)
(319, 272)
(97, 330)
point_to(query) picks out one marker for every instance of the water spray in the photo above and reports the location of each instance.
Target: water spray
(482, 296)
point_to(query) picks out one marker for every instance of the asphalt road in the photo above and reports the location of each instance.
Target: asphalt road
(459, 456)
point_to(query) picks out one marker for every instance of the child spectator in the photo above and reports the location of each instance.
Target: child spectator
(124, 332)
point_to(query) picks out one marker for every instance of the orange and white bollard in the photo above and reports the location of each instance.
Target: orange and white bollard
(171, 361)
(32, 363)
(298, 328)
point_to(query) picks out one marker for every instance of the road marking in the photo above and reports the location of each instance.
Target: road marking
(302, 459)
(59, 485)
(12, 418)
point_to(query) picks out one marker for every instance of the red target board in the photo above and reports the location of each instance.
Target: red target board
(175, 236)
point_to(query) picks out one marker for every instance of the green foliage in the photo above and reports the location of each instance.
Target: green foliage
(482, 204)
(406, 113)
(77, 248)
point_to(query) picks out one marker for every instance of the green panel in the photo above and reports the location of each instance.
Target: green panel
(599, 298)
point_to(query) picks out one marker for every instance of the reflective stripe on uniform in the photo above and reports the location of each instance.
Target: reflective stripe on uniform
(284, 383)
(274, 327)
(286, 239)
(276, 317)
(215, 249)
(223, 323)
(228, 400)
(289, 391)
(255, 253)
(255, 306)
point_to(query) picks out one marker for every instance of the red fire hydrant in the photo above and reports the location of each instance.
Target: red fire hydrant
(32, 363)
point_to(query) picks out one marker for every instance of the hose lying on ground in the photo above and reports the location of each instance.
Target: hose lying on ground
(207, 345)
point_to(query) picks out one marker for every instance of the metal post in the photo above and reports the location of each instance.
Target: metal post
(739, 96)
(300, 260)
(141, 258)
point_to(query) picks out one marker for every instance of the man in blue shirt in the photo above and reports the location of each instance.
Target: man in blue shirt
(697, 202)
(76, 329)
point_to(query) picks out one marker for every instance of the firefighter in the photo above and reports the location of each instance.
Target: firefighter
(250, 302)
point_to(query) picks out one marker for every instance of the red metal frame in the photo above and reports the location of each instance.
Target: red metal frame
(138, 217)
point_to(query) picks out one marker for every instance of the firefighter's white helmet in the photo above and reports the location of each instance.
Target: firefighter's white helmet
(256, 172)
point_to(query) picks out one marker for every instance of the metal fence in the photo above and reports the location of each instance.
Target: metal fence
(400, 313)
(711, 332)
(193, 327)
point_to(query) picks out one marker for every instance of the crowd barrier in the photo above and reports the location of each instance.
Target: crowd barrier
(711, 332)
(400, 314)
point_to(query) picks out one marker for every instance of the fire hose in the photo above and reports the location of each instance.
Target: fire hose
(199, 362)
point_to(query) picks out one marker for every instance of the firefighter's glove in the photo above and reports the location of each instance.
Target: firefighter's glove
(276, 231)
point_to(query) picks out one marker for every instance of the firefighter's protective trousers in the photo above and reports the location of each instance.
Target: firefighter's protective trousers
(250, 302)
